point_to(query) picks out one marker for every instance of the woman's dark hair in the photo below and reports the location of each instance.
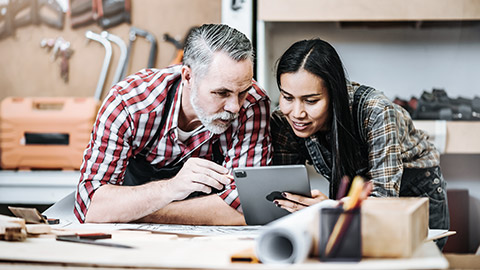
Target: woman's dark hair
(320, 58)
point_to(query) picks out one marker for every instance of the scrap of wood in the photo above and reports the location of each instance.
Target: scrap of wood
(31, 215)
(12, 228)
(38, 228)
(17, 220)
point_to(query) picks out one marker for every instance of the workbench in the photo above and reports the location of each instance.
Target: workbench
(158, 250)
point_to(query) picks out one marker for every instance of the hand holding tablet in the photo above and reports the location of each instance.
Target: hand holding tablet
(259, 187)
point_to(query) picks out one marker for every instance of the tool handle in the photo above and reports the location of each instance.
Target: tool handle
(153, 54)
(107, 22)
(78, 7)
(106, 61)
(134, 31)
(54, 8)
(112, 7)
(82, 20)
(123, 55)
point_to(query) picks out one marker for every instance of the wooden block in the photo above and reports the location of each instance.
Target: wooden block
(12, 228)
(13, 232)
(17, 220)
(31, 215)
(38, 228)
(393, 227)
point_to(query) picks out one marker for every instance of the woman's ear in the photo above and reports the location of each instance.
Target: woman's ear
(186, 76)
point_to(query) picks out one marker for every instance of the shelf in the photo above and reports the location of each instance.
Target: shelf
(452, 137)
(36, 187)
(387, 25)
(367, 10)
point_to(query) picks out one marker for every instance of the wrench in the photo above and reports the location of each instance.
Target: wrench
(106, 60)
(123, 54)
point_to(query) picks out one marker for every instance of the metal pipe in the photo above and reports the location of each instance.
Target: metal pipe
(106, 61)
(123, 54)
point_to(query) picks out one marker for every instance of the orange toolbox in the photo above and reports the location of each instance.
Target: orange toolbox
(45, 132)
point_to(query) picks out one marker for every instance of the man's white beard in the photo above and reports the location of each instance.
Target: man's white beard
(209, 120)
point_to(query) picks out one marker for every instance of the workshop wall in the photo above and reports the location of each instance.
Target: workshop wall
(26, 69)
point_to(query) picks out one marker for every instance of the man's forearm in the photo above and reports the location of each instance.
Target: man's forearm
(206, 210)
(111, 203)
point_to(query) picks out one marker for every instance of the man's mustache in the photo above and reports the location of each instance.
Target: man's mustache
(225, 116)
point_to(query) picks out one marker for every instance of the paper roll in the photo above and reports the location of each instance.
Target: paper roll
(291, 238)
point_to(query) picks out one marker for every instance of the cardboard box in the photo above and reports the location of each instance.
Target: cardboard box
(393, 227)
(463, 261)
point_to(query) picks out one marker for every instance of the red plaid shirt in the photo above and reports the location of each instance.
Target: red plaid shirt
(128, 120)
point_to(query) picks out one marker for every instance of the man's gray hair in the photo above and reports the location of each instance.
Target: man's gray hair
(207, 39)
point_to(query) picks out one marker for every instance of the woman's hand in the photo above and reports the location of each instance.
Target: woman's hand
(294, 202)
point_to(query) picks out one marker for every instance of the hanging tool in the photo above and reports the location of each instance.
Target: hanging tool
(123, 54)
(19, 8)
(53, 15)
(47, 12)
(81, 13)
(106, 61)
(179, 49)
(22, 13)
(115, 12)
(78, 7)
(6, 20)
(19, 13)
(178, 45)
(65, 54)
(134, 32)
(62, 48)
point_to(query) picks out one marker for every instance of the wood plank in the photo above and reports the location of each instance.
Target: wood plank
(155, 252)
(12, 228)
(462, 137)
(367, 10)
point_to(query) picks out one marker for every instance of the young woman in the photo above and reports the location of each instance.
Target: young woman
(347, 129)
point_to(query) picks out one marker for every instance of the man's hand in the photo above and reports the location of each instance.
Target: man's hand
(294, 202)
(198, 174)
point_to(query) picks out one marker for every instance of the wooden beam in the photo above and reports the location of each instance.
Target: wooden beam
(367, 10)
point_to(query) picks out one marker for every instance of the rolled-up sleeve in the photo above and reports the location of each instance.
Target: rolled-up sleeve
(106, 154)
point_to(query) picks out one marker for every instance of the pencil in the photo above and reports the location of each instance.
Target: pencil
(343, 187)
(344, 220)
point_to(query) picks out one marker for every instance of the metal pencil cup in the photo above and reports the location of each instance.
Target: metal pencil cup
(346, 241)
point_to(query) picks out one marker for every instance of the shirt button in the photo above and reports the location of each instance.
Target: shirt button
(427, 174)
(436, 181)
(439, 189)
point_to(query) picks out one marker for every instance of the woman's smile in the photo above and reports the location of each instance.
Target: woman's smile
(304, 101)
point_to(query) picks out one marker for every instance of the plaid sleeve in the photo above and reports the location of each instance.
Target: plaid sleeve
(385, 158)
(106, 155)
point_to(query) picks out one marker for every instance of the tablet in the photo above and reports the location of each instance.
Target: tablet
(259, 186)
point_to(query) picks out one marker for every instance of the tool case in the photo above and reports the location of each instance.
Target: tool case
(45, 132)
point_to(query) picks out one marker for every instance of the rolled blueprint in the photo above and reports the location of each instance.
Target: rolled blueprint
(291, 238)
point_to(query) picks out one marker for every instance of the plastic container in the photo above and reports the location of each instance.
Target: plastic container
(45, 132)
